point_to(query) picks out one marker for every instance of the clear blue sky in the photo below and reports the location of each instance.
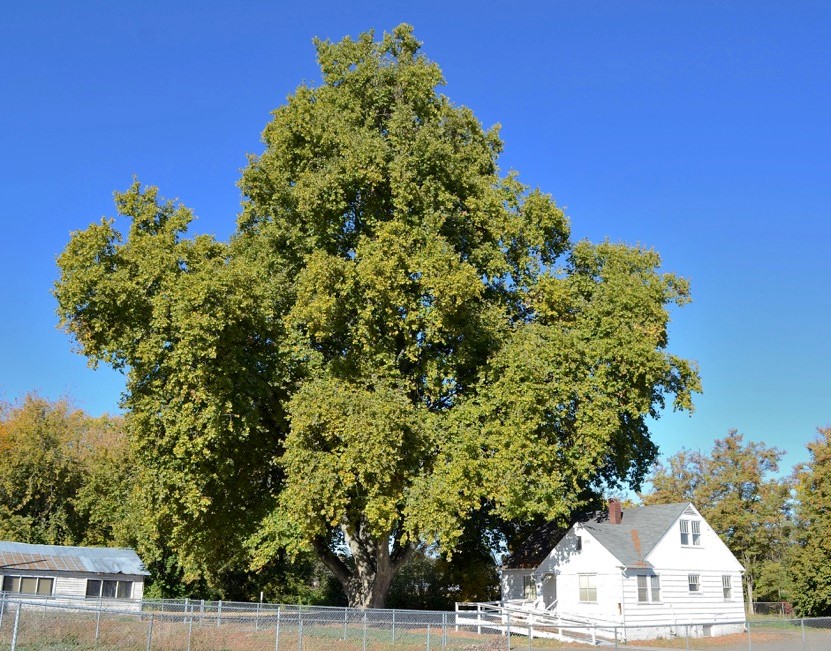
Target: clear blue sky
(701, 129)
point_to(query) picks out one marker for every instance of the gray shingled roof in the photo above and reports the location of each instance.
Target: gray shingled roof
(631, 541)
(639, 531)
(57, 558)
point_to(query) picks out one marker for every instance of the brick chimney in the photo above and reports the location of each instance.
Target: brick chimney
(615, 511)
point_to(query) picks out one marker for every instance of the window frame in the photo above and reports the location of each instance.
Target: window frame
(529, 587)
(588, 590)
(727, 587)
(690, 532)
(694, 580)
(695, 526)
(648, 587)
(17, 584)
(115, 587)
(655, 588)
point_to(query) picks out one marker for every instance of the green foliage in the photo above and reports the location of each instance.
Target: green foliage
(811, 556)
(396, 338)
(735, 489)
(66, 475)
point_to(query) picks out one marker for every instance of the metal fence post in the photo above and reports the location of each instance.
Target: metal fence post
(749, 639)
(299, 631)
(219, 612)
(428, 637)
(508, 631)
(345, 621)
(185, 618)
(201, 611)
(2, 607)
(97, 626)
(277, 631)
(393, 626)
(190, 628)
(687, 635)
(802, 625)
(14, 630)
(150, 632)
(257, 619)
(364, 630)
(443, 630)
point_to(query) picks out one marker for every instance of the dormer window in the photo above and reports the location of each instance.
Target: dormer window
(691, 533)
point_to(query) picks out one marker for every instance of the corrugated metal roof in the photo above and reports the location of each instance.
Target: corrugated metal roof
(58, 558)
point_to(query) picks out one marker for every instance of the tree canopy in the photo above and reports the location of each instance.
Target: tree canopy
(736, 488)
(811, 556)
(397, 337)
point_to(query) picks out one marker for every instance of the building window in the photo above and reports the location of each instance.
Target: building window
(696, 532)
(643, 590)
(695, 526)
(579, 544)
(97, 588)
(529, 587)
(28, 584)
(726, 587)
(588, 588)
(695, 582)
(648, 586)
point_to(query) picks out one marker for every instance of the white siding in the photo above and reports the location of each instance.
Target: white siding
(567, 563)
(70, 586)
(512, 584)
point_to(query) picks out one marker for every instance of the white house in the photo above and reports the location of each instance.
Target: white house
(79, 572)
(658, 570)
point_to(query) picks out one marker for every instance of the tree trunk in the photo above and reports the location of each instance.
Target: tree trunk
(749, 581)
(375, 564)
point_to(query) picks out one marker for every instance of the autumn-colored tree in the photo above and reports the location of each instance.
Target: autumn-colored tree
(67, 476)
(811, 556)
(396, 337)
(736, 489)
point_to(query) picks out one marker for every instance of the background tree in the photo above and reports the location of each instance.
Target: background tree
(736, 490)
(40, 443)
(396, 338)
(811, 557)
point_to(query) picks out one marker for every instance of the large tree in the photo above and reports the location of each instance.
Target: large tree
(396, 337)
(736, 488)
(811, 556)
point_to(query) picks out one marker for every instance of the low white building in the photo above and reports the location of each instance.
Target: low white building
(70, 572)
(661, 571)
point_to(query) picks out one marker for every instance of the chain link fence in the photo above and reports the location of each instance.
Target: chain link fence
(59, 624)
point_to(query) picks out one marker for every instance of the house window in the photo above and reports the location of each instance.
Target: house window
(529, 587)
(97, 588)
(648, 586)
(726, 587)
(696, 532)
(579, 544)
(656, 588)
(695, 527)
(588, 588)
(643, 589)
(694, 581)
(28, 584)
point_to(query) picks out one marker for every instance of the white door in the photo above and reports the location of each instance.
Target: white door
(549, 590)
